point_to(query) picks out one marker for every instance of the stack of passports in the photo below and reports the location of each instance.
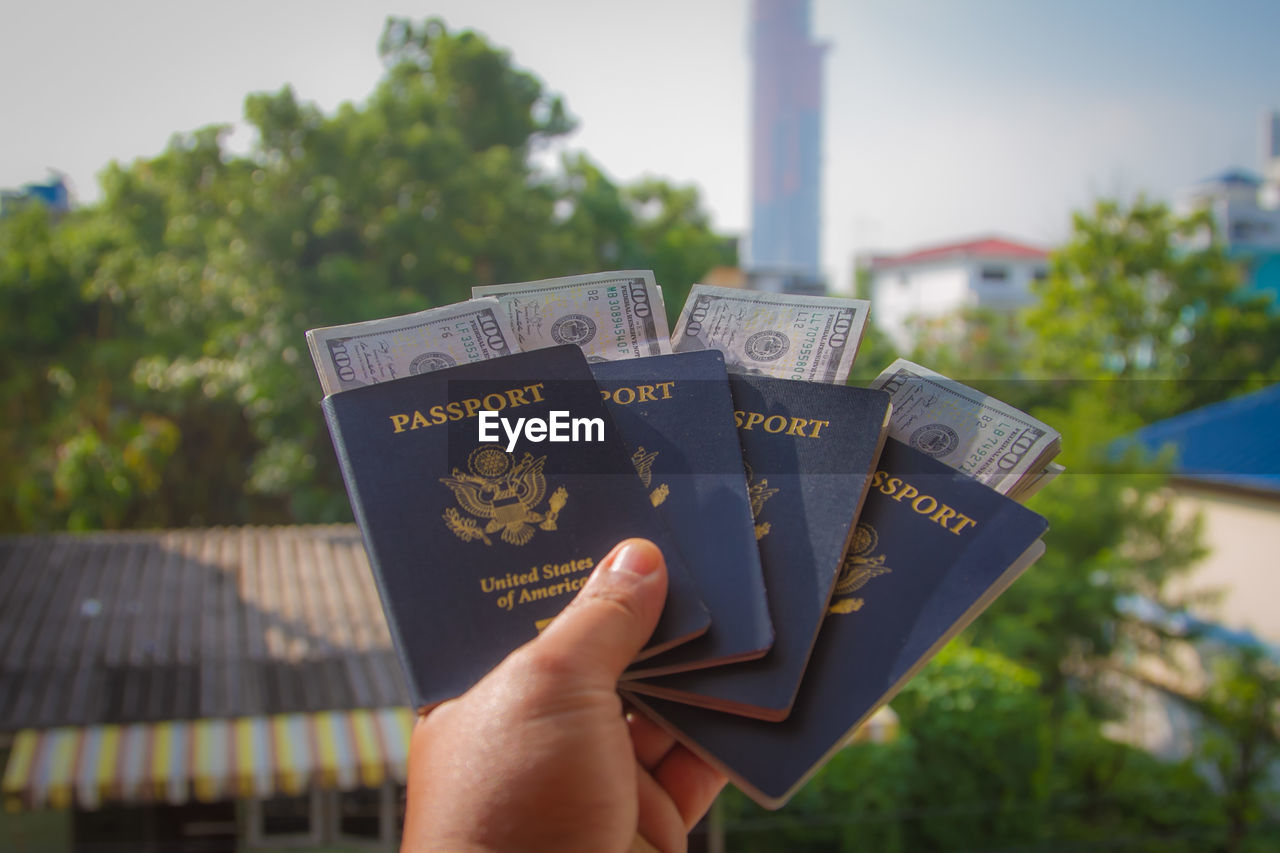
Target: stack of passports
(808, 450)
(675, 416)
(475, 549)
(931, 549)
(813, 566)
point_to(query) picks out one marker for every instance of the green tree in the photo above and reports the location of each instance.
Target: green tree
(1241, 742)
(1141, 296)
(981, 764)
(676, 238)
(649, 225)
(71, 454)
(876, 352)
(155, 372)
(1031, 693)
(1113, 534)
(974, 345)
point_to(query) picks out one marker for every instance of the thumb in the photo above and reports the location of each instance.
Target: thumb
(611, 619)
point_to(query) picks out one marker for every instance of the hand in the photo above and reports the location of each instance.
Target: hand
(539, 755)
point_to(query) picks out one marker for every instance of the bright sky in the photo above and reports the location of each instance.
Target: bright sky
(945, 118)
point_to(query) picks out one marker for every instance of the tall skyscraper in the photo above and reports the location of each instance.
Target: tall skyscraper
(786, 139)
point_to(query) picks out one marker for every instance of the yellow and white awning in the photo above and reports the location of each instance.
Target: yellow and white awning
(207, 760)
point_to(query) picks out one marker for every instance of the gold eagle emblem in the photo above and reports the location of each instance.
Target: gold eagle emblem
(858, 568)
(758, 493)
(643, 463)
(502, 493)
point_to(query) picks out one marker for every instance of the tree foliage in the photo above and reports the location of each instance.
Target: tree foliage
(1003, 744)
(1151, 303)
(982, 764)
(1241, 710)
(155, 371)
(154, 375)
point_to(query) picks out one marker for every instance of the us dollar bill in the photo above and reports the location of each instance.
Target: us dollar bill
(1033, 483)
(811, 338)
(359, 354)
(966, 429)
(610, 316)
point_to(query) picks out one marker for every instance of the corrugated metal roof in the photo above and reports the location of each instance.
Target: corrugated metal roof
(186, 624)
(1232, 442)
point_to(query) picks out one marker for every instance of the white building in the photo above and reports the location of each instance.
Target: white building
(935, 281)
(1245, 206)
(1226, 470)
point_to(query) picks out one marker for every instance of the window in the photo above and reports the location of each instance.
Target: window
(401, 794)
(285, 820)
(286, 816)
(366, 818)
(361, 819)
(360, 813)
(994, 274)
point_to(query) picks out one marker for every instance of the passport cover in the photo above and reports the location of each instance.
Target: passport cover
(809, 450)
(475, 549)
(933, 547)
(675, 415)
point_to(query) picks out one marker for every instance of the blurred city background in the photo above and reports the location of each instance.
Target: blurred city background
(1073, 207)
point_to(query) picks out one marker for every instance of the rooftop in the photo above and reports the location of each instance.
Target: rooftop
(188, 624)
(1229, 443)
(981, 248)
(1234, 177)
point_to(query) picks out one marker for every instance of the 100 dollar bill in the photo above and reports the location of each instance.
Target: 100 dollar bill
(1033, 483)
(811, 338)
(610, 316)
(966, 429)
(359, 354)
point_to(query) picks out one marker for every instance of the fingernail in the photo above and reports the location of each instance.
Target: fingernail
(630, 561)
(636, 557)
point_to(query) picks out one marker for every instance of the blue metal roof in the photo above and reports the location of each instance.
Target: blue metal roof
(1235, 442)
(1235, 176)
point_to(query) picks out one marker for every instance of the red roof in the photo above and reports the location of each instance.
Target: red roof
(987, 247)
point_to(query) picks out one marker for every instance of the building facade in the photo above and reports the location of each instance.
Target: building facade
(198, 690)
(909, 290)
(1225, 471)
(786, 138)
(1246, 208)
(53, 194)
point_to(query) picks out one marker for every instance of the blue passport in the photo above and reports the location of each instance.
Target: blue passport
(675, 415)
(476, 545)
(932, 548)
(809, 450)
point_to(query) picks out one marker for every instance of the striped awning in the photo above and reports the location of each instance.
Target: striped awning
(206, 760)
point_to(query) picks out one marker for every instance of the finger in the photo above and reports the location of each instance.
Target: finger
(651, 741)
(658, 822)
(640, 845)
(692, 783)
(611, 619)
